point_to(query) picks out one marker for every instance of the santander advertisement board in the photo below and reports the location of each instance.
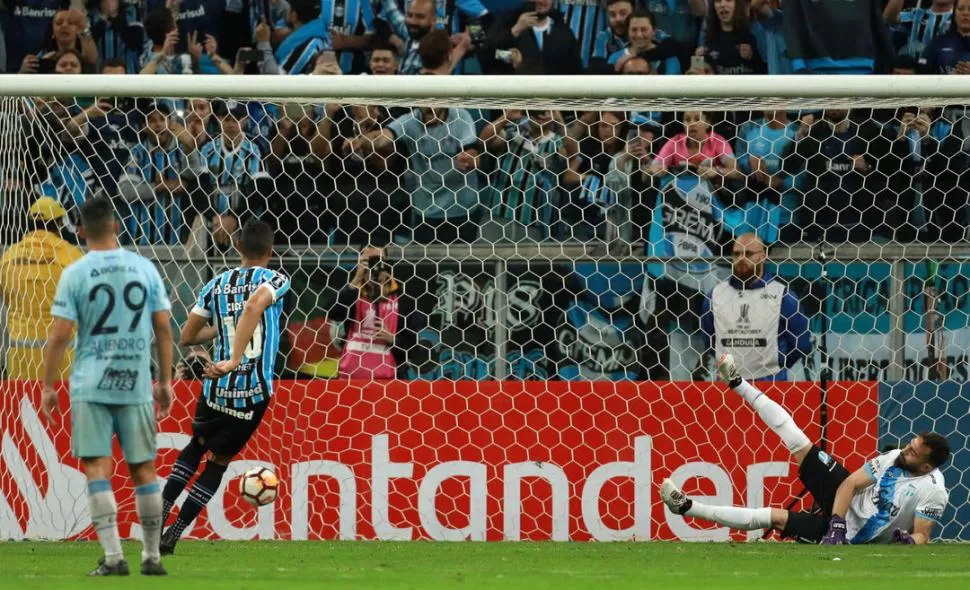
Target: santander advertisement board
(456, 460)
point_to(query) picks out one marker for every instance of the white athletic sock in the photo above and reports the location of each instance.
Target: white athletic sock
(148, 504)
(735, 517)
(774, 416)
(104, 517)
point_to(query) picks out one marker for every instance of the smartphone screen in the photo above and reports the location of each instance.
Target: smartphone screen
(697, 62)
(528, 6)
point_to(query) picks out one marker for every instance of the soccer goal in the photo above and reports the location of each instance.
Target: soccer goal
(548, 245)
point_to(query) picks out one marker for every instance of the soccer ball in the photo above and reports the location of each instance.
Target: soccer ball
(258, 486)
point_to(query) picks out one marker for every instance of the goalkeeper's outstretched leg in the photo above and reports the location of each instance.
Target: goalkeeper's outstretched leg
(901, 514)
(774, 416)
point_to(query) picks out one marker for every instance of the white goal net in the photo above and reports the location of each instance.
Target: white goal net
(552, 245)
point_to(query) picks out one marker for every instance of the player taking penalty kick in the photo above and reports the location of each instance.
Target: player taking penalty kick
(895, 497)
(241, 309)
(116, 299)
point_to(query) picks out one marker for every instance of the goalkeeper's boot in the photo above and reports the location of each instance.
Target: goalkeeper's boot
(676, 500)
(167, 545)
(152, 567)
(103, 569)
(728, 370)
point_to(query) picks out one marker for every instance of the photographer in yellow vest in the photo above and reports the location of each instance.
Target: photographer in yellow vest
(29, 272)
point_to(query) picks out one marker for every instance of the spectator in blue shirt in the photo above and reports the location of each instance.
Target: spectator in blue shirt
(119, 34)
(234, 163)
(310, 37)
(769, 33)
(914, 28)
(441, 147)
(158, 211)
(613, 38)
(949, 53)
(762, 147)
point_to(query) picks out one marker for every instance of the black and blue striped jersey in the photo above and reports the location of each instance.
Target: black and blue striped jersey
(222, 301)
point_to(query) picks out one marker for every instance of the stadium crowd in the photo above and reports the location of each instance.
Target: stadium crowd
(190, 171)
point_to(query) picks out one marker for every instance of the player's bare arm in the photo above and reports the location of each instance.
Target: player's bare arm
(255, 306)
(197, 330)
(57, 341)
(162, 325)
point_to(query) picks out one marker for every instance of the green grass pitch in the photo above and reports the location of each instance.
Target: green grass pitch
(285, 565)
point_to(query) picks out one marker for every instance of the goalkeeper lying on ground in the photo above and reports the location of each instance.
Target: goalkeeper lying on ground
(895, 497)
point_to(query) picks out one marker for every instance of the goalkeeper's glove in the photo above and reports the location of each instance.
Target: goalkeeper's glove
(836, 534)
(901, 536)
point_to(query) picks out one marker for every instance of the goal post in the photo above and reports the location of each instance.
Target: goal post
(554, 239)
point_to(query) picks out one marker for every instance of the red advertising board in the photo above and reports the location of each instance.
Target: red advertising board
(457, 460)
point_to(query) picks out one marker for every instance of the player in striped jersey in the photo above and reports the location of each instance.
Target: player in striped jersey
(914, 28)
(240, 309)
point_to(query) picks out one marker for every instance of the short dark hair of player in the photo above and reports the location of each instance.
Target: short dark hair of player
(939, 448)
(306, 10)
(98, 217)
(256, 239)
(612, 2)
(435, 49)
(158, 24)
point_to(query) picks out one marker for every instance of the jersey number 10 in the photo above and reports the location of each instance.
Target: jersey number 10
(255, 346)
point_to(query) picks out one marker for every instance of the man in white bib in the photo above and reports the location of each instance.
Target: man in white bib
(755, 318)
(895, 497)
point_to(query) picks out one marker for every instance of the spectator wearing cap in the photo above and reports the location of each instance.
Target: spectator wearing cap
(233, 162)
(29, 273)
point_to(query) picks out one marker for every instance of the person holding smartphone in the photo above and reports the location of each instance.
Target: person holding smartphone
(539, 33)
(370, 305)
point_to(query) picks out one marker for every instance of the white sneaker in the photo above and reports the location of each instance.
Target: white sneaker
(728, 370)
(676, 500)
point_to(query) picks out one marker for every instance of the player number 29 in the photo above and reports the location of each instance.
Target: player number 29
(255, 346)
(134, 297)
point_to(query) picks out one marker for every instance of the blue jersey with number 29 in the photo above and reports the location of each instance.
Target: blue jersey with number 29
(111, 295)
